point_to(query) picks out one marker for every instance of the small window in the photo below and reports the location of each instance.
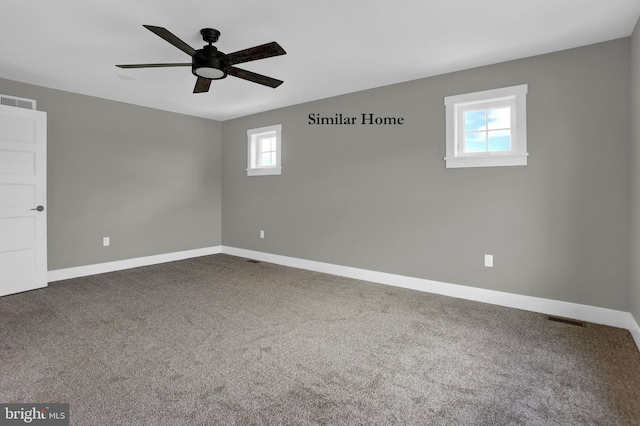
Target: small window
(263, 151)
(486, 129)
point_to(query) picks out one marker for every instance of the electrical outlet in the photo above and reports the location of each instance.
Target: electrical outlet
(106, 241)
(488, 260)
(261, 234)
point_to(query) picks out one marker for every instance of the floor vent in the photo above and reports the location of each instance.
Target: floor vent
(252, 261)
(12, 101)
(567, 321)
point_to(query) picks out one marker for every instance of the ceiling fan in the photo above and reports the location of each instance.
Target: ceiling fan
(209, 63)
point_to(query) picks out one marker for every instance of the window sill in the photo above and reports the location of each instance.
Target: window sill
(486, 161)
(266, 171)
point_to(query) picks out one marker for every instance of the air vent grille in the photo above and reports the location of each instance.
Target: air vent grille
(17, 102)
(567, 321)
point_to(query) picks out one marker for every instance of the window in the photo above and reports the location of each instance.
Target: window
(263, 151)
(486, 129)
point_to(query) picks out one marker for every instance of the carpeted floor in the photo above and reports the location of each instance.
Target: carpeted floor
(218, 340)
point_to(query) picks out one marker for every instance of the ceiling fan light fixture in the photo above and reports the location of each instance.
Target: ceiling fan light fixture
(210, 73)
(208, 67)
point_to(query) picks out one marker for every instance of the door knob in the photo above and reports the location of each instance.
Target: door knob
(39, 208)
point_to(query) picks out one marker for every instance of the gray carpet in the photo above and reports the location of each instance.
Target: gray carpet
(218, 340)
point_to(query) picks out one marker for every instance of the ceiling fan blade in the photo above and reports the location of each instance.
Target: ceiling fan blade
(168, 36)
(153, 65)
(202, 85)
(253, 53)
(254, 77)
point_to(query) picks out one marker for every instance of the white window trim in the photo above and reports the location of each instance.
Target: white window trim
(455, 105)
(252, 168)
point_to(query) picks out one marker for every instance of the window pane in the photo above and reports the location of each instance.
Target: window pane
(475, 120)
(268, 144)
(499, 140)
(475, 142)
(264, 145)
(265, 159)
(499, 118)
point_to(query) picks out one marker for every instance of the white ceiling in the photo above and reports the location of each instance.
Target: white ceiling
(333, 46)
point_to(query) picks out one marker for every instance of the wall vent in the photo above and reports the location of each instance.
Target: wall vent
(567, 321)
(12, 101)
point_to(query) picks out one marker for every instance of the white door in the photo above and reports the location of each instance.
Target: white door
(23, 196)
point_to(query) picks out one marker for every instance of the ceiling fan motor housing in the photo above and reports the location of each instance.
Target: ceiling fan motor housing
(209, 63)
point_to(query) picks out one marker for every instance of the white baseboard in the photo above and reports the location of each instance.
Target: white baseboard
(101, 268)
(592, 314)
(634, 328)
(587, 313)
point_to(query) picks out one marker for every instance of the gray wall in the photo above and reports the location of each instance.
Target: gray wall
(377, 198)
(148, 179)
(380, 198)
(635, 92)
